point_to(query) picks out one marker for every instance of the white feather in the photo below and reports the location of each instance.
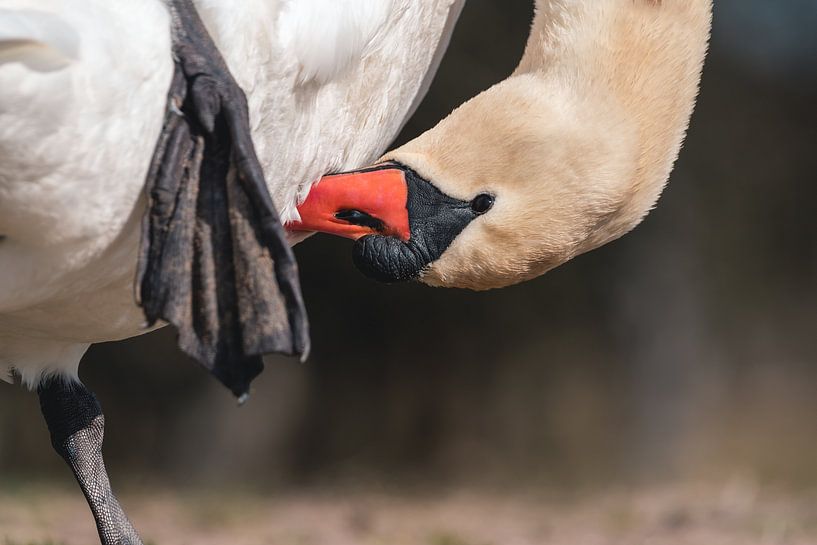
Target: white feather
(38, 39)
(328, 36)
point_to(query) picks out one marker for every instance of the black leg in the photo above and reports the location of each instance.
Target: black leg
(77, 428)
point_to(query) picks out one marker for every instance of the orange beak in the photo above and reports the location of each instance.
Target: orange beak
(356, 204)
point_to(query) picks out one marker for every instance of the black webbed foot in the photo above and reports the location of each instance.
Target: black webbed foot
(214, 261)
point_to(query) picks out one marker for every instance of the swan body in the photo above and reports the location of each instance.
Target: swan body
(568, 153)
(83, 88)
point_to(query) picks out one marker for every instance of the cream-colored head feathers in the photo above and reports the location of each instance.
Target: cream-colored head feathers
(576, 145)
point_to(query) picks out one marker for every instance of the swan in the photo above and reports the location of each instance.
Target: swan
(224, 108)
(570, 152)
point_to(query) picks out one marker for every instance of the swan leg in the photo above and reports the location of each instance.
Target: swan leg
(77, 427)
(214, 260)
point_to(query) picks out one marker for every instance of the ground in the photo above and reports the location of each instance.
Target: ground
(738, 513)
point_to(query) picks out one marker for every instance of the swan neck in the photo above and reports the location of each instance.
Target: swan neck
(636, 60)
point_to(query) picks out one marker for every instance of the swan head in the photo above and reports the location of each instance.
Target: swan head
(513, 183)
(570, 152)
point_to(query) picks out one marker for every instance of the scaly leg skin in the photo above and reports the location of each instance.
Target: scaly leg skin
(77, 428)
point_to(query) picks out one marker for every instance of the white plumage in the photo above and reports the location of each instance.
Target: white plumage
(83, 86)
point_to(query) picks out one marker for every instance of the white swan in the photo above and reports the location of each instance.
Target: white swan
(570, 152)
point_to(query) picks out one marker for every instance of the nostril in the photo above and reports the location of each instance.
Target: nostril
(356, 217)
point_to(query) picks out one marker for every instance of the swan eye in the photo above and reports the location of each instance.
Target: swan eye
(482, 203)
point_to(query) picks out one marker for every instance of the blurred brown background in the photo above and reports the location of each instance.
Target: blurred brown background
(686, 350)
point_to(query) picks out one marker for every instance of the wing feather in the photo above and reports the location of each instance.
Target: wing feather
(40, 40)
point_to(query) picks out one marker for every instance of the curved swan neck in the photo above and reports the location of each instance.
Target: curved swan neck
(642, 58)
(558, 28)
